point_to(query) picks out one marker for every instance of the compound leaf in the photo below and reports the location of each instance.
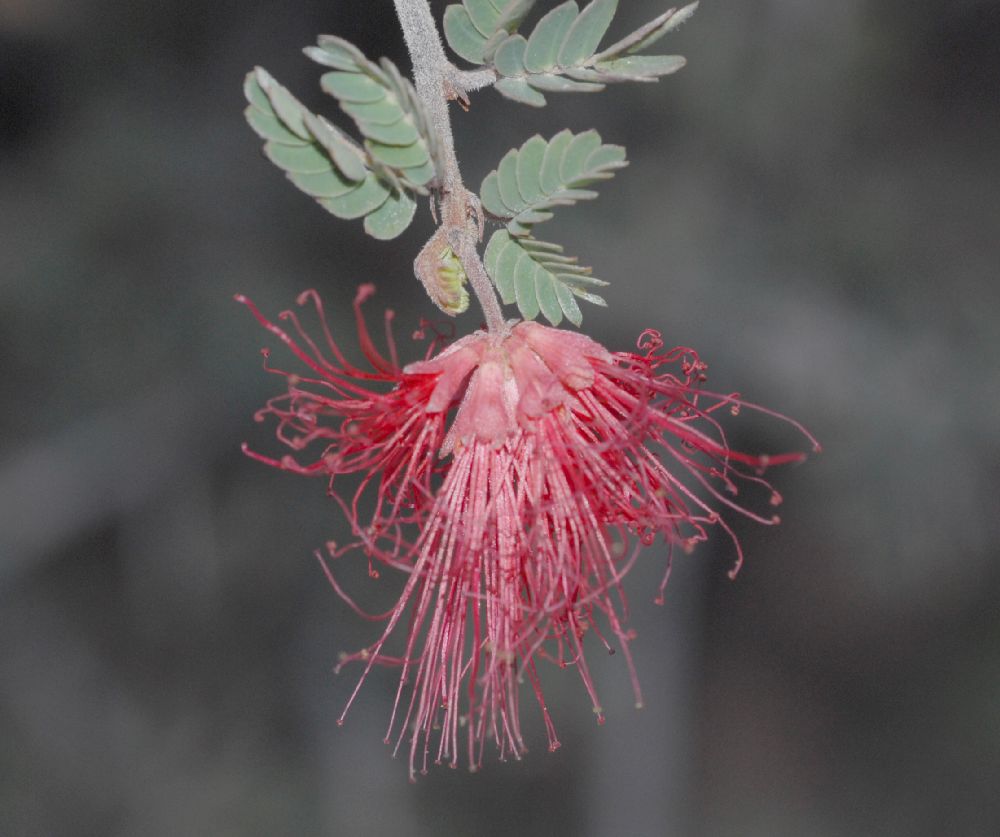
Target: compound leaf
(539, 278)
(296, 140)
(385, 108)
(323, 162)
(560, 55)
(543, 174)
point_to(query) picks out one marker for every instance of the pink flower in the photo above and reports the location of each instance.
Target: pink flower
(513, 481)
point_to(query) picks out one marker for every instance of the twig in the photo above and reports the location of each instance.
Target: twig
(438, 80)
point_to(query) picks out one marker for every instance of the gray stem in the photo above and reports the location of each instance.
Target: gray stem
(435, 77)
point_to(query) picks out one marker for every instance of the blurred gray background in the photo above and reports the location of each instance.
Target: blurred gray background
(813, 203)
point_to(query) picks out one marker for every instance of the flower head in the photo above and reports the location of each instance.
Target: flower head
(513, 479)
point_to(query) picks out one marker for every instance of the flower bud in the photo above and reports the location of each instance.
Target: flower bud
(443, 276)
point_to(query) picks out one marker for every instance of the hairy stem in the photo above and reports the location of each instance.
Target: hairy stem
(436, 81)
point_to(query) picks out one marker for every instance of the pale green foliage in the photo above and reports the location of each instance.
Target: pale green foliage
(349, 180)
(543, 174)
(539, 278)
(560, 55)
(322, 161)
(400, 154)
(475, 28)
(529, 182)
(384, 106)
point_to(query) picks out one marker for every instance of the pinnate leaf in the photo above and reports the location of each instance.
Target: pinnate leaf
(323, 162)
(295, 138)
(560, 55)
(385, 108)
(543, 174)
(539, 278)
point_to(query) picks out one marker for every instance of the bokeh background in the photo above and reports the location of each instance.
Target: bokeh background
(813, 203)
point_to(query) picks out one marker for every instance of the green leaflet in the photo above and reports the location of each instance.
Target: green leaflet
(543, 174)
(518, 90)
(335, 52)
(551, 83)
(585, 34)
(641, 67)
(351, 87)
(474, 28)
(269, 127)
(399, 154)
(509, 57)
(548, 37)
(322, 162)
(483, 14)
(462, 35)
(649, 33)
(560, 55)
(539, 278)
(328, 183)
(512, 14)
(360, 201)
(405, 157)
(296, 139)
(385, 108)
(347, 157)
(392, 218)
